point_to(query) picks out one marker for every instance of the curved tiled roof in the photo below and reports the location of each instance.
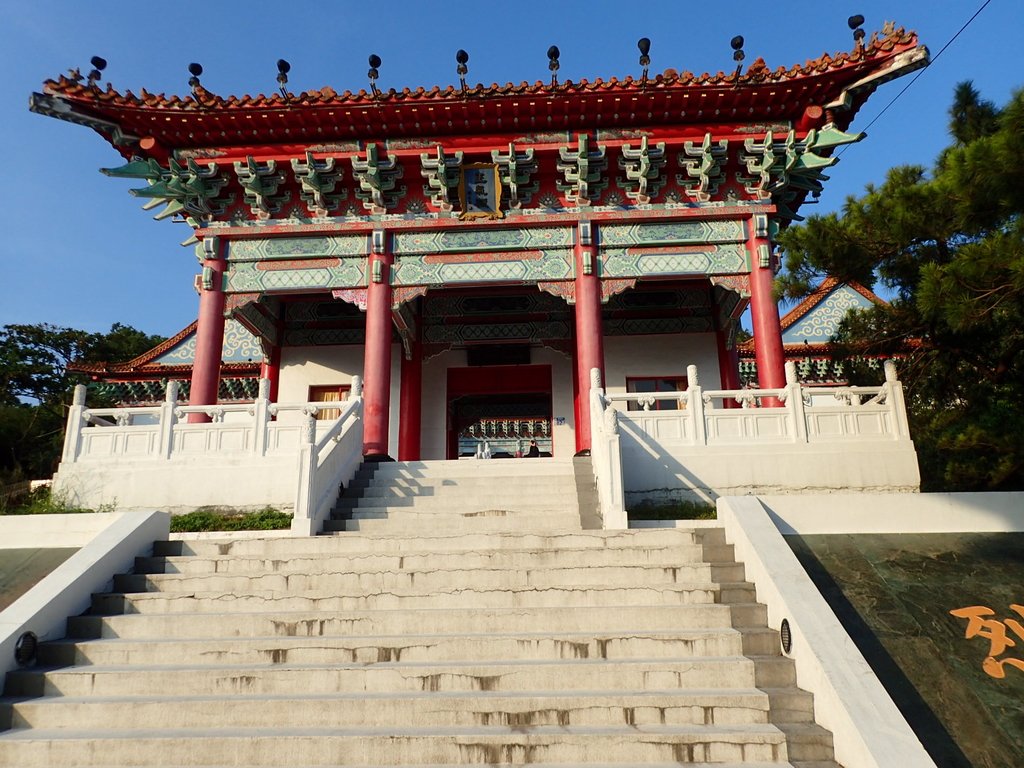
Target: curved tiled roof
(756, 74)
(204, 119)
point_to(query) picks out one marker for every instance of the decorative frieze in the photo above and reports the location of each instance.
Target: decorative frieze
(474, 239)
(664, 262)
(310, 247)
(673, 233)
(483, 267)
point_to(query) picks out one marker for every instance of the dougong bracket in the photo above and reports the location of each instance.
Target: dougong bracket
(584, 172)
(318, 182)
(515, 170)
(442, 175)
(702, 167)
(644, 169)
(377, 179)
(260, 182)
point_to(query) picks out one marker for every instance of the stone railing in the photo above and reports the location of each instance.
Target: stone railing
(246, 455)
(605, 455)
(698, 444)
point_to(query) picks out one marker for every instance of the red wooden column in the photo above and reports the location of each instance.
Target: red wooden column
(409, 406)
(209, 331)
(589, 333)
(377, 360)
(270, 369)
(764, 309)
(728, 366)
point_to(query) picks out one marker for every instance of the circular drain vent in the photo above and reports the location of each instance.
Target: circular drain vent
(25, 649)
(786, 636)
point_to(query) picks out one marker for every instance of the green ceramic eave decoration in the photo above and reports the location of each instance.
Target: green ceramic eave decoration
(190, 188)
(779, 170)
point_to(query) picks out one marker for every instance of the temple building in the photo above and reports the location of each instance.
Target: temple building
(475, 252)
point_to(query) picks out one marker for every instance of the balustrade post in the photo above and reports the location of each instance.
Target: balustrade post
(795, 404)
(76, 420)
(168, 419)
(695, 406)
(897, 404)
(305, 496)
(261, 418)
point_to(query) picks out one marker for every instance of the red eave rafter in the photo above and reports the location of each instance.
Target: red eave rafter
(207, 120)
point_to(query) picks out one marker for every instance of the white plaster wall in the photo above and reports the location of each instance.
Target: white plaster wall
(435, 399)
(665, 354)
(313, 366)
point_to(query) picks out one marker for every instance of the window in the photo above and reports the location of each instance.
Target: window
(332, 393)
(652, 384)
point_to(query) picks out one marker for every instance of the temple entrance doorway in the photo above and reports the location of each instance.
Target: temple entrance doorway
(499, 408)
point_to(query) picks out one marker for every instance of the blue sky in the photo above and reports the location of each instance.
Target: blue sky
(77, 250)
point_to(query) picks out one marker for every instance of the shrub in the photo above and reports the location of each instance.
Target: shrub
(221, 519)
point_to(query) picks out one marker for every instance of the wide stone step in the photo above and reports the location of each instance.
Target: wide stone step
(333, 746)
(427, 541)
(226, 601)
(472, 468)
(193, 679)
(605, 708)
(421, 579)
(491, 499)
(662, 557)
(443, 486)
(686, 643)
(384, 520)
(419, 621)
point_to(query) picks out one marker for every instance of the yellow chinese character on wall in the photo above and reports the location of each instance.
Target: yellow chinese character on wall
(997, 634)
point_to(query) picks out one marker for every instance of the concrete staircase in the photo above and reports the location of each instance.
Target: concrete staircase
(441, 630)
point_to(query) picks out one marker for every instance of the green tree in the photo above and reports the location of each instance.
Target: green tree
(950, 245)
(35, 387)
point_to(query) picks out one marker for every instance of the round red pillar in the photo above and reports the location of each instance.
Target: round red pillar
(409, 406)
(764, 312)
(270, 369)
(728, 366)
(589, 334)
(377, 360)
(209, 336)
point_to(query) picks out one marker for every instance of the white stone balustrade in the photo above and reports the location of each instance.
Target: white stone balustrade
(248, 455)
(817, 439)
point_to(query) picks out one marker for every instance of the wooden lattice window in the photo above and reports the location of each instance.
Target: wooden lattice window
(329, 393)
(652, 384)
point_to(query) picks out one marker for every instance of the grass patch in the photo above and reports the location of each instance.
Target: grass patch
(42, 501)
(674, 510)
(221, 519)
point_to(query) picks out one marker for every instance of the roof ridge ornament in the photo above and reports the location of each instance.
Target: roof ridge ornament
(283, 68)
(373, 74)
(553, 65)
(644, 44)
(462, 59)
(98, 65)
